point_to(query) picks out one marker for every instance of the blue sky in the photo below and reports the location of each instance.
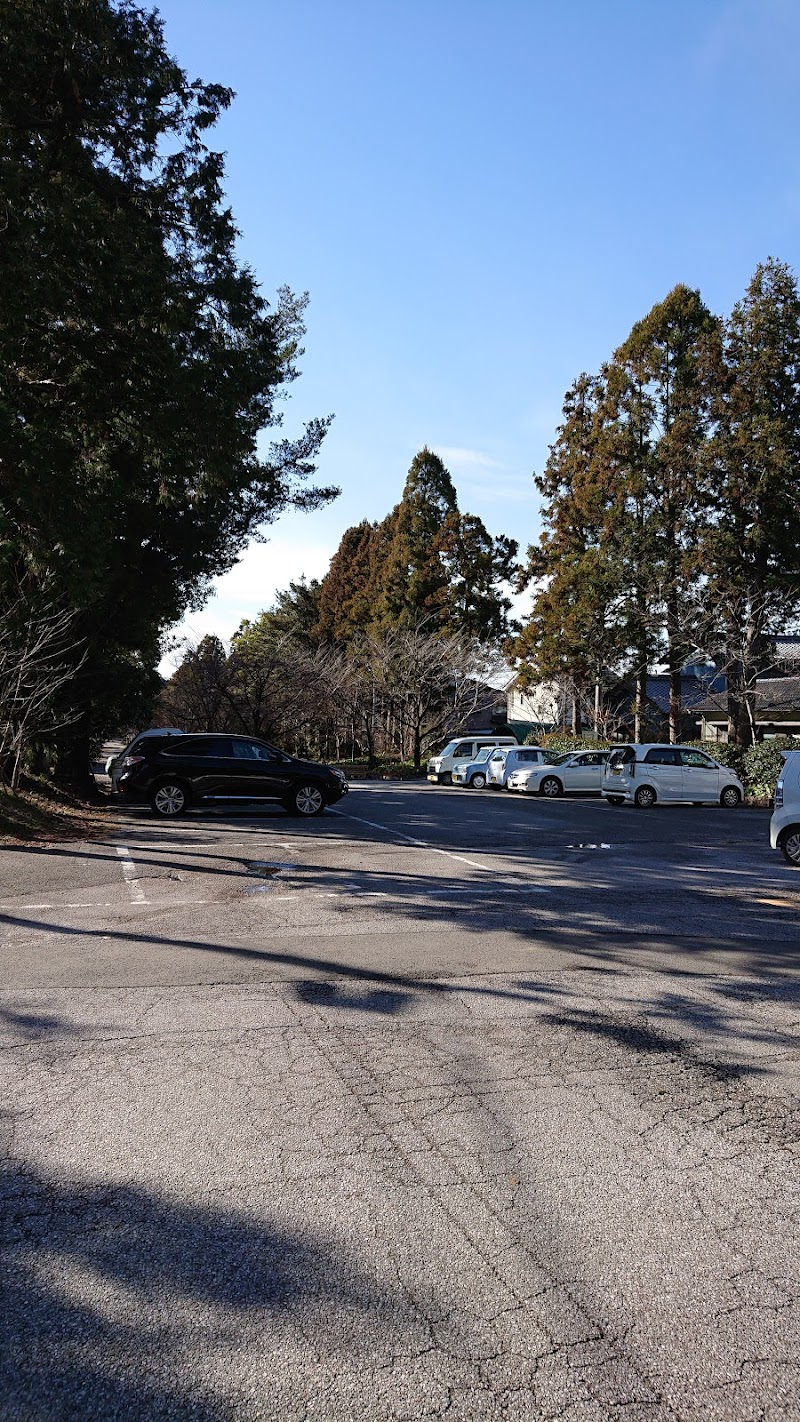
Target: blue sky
(481, 197)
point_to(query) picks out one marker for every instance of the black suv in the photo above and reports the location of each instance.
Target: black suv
(176, 773)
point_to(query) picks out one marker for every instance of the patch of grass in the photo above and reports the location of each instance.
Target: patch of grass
(45, 812)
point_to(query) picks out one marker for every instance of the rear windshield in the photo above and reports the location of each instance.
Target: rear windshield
(622, 755)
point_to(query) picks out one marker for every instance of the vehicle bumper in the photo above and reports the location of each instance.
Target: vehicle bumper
(778, 824)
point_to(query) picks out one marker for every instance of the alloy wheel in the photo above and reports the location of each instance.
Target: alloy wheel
(309, 800)
(790, 846)
(169, 800)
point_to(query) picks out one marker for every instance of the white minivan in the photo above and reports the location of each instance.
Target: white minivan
(646, 775)
(784, 827)
(440, 767)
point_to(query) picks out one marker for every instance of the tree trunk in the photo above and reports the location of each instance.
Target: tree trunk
(74, 763)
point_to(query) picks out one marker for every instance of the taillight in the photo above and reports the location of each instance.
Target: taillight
(779, 795)
(133, 760)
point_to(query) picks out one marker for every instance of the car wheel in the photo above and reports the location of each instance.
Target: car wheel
(789, 845)
(306, 800)
(478, 781)
(645, 797)
(615, 799)
(446, 778)
(730, 797)
(169, 799)
(550, 787)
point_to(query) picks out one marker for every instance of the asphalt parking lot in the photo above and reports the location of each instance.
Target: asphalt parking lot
(447, 1104)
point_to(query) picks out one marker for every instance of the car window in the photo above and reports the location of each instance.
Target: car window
(694, 757)
(528, 756)
(662, 755)
(622, 755)
(463, 748)
(251, 750)
(595, 758)
(499, 755)
(216, 746)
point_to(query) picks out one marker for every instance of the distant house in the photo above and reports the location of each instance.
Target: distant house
(543, 707)
(536, 710)
(776, 709)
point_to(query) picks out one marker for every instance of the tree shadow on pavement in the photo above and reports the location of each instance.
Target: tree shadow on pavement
(118, 1303)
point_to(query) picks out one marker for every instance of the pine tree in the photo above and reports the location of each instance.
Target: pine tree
(749, 555)
(572, 634)
(139, 362)
(670, 360)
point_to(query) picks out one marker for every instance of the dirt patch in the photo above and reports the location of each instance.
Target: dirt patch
(32, 815)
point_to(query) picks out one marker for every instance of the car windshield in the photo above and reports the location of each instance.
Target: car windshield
(553, 758)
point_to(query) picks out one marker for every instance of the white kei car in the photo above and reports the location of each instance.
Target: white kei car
(504, 760)
(784, 827)
(578, 772)
(647, 775)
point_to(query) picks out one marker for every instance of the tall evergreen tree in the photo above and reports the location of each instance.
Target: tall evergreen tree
(573, 632)
(138, 359)
(671, 359)
(415, 575)
(749, 554)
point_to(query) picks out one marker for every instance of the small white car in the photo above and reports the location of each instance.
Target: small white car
(647, 775)
(784, 827)
(472, 773)
(576, 772)
(506, 759)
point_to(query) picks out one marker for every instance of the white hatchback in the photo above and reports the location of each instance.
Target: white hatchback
(784, 827)
(575, 772)
(506, 759)
(646, 775)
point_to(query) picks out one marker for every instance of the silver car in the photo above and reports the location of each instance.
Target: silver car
(506, 759)
(578, 772)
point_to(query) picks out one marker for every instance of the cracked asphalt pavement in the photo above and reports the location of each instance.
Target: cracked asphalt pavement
(444, 1105)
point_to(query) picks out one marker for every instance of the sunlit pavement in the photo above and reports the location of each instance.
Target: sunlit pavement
(446, 1104)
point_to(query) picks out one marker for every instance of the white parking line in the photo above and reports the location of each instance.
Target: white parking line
(129, 875)
(418, 843)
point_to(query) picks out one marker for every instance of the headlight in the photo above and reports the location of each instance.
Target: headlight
(339, 773)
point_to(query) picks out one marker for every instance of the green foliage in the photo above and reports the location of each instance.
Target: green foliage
(139, 361)
(671, 521)
(426, 565)
(763, 763)
(562, 741)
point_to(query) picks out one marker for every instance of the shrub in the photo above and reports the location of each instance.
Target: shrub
(763, 763)
(559, 741)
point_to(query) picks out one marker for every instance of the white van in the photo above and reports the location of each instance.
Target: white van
(784, 827)
(440, 767)
(646, 775)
